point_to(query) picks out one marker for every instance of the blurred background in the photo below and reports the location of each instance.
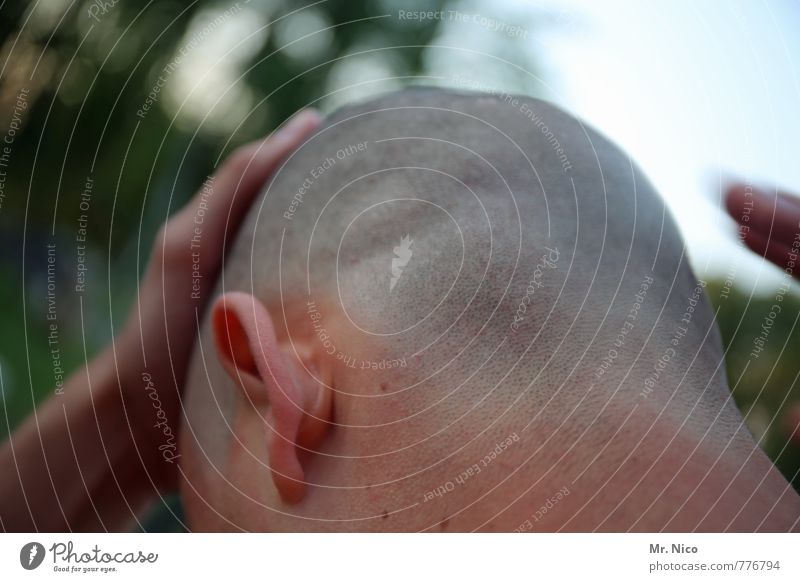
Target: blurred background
(114, 112)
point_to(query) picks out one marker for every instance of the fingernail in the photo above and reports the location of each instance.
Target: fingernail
(299, 124)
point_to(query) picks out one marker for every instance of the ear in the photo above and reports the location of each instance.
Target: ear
(274, 380)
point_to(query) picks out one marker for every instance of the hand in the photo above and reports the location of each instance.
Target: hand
(154, 348)
(769, 224)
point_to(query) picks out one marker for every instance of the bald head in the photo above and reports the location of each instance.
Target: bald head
(479, 304)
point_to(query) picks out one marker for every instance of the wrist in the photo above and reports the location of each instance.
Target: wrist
(144, 398)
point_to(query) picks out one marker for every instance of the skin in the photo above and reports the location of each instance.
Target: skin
(770, 222)
(281, 435)
(769, 225)
(89, 459)
(289, 434)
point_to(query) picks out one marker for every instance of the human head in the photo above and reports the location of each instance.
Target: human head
(458, 311)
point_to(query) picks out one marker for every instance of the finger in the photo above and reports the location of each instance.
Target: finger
(784, 256)
(776, 215)
(224, 199)
(260, 160)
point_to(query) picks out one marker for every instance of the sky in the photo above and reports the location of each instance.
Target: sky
(698, 93)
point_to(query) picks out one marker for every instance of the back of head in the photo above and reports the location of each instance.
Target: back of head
(507, 320)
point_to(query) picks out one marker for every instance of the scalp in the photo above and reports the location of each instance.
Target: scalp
(483, 184)
(532, 238)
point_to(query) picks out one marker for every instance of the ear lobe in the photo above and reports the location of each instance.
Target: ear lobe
(249, 352)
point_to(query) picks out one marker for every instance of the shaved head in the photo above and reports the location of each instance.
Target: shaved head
(499, 307)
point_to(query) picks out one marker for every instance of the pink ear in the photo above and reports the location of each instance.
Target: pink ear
(249, 351)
